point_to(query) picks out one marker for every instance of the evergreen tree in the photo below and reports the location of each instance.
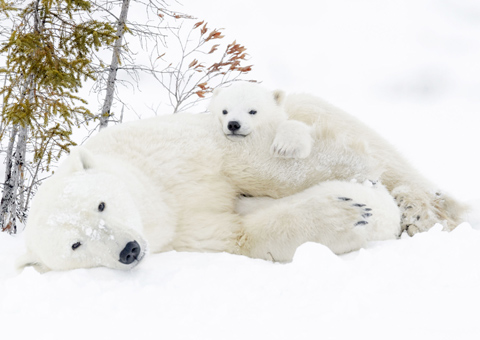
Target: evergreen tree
(51, 50)
(48, 56)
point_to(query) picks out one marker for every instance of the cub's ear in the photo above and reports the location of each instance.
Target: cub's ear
(28, 260)
(211, 105)
(279, 96)
(216, 91)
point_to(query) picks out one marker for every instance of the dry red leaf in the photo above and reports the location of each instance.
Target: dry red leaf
(214, 35)
(245, 69)
(198, 24)
(204, 29)
(214, 48)
(8, 226)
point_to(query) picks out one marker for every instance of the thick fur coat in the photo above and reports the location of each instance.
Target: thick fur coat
(177, 183)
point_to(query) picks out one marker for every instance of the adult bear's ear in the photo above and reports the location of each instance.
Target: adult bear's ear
(86, 159)
(279, 96)
(28, 260)
(80, 159)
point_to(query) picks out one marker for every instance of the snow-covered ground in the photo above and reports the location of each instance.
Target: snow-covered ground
(425, 287)
(411, 70)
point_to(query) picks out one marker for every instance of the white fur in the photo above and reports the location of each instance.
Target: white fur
(343, 216)
(249, 106)
(343, 149)
(336, 214)
(172, 182)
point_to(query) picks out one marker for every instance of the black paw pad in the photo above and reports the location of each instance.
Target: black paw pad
(358, 205)
(344, 199)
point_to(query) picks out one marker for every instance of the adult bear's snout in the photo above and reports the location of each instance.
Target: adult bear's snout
(130, 252)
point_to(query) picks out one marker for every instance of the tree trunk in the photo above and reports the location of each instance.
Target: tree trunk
(112, 74)
(14, 173)
(12, 197)
(8, 185)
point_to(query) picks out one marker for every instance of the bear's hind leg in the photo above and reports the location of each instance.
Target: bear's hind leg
(421, 209)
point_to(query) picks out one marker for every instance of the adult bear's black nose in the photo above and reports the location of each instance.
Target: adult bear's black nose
(233, 126)
(130, 252)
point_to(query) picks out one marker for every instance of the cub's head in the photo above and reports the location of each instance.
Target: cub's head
(244, 106)
(83, 217)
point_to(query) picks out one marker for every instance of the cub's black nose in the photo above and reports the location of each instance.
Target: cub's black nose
(233, 126)
(130, 252)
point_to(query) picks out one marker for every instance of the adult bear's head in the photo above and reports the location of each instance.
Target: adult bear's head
(83, 216)
(244, 106)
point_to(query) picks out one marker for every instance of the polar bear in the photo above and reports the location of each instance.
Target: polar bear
(343, 149)
(158, 185)
(173, 182)
(241, 110)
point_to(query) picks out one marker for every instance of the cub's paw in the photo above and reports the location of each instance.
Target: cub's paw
(291, 146)
(292, 140)
(358, 213)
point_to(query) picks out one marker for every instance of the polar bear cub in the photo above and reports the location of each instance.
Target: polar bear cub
(240, 118)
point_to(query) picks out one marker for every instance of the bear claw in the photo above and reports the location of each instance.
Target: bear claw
(361, 223)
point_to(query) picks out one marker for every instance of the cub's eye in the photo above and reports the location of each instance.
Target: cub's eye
(101, 206)
(76, 245)
(224, 112)
(252, 112)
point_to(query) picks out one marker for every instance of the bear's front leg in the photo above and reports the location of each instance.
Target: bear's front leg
(273, 229)
(292, 140)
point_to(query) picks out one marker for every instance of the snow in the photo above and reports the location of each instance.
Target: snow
(424, 287)
(410, 70)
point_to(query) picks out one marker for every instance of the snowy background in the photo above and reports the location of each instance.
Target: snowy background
(411, 70)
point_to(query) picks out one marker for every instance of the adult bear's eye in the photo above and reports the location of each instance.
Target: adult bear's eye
(76, 245)
(224, 112)
(252, 112)
(101, 206)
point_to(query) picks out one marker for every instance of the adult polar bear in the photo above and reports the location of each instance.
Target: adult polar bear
(173, 182)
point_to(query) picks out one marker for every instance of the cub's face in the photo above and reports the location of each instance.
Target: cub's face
(81, 220)
(243, 107)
